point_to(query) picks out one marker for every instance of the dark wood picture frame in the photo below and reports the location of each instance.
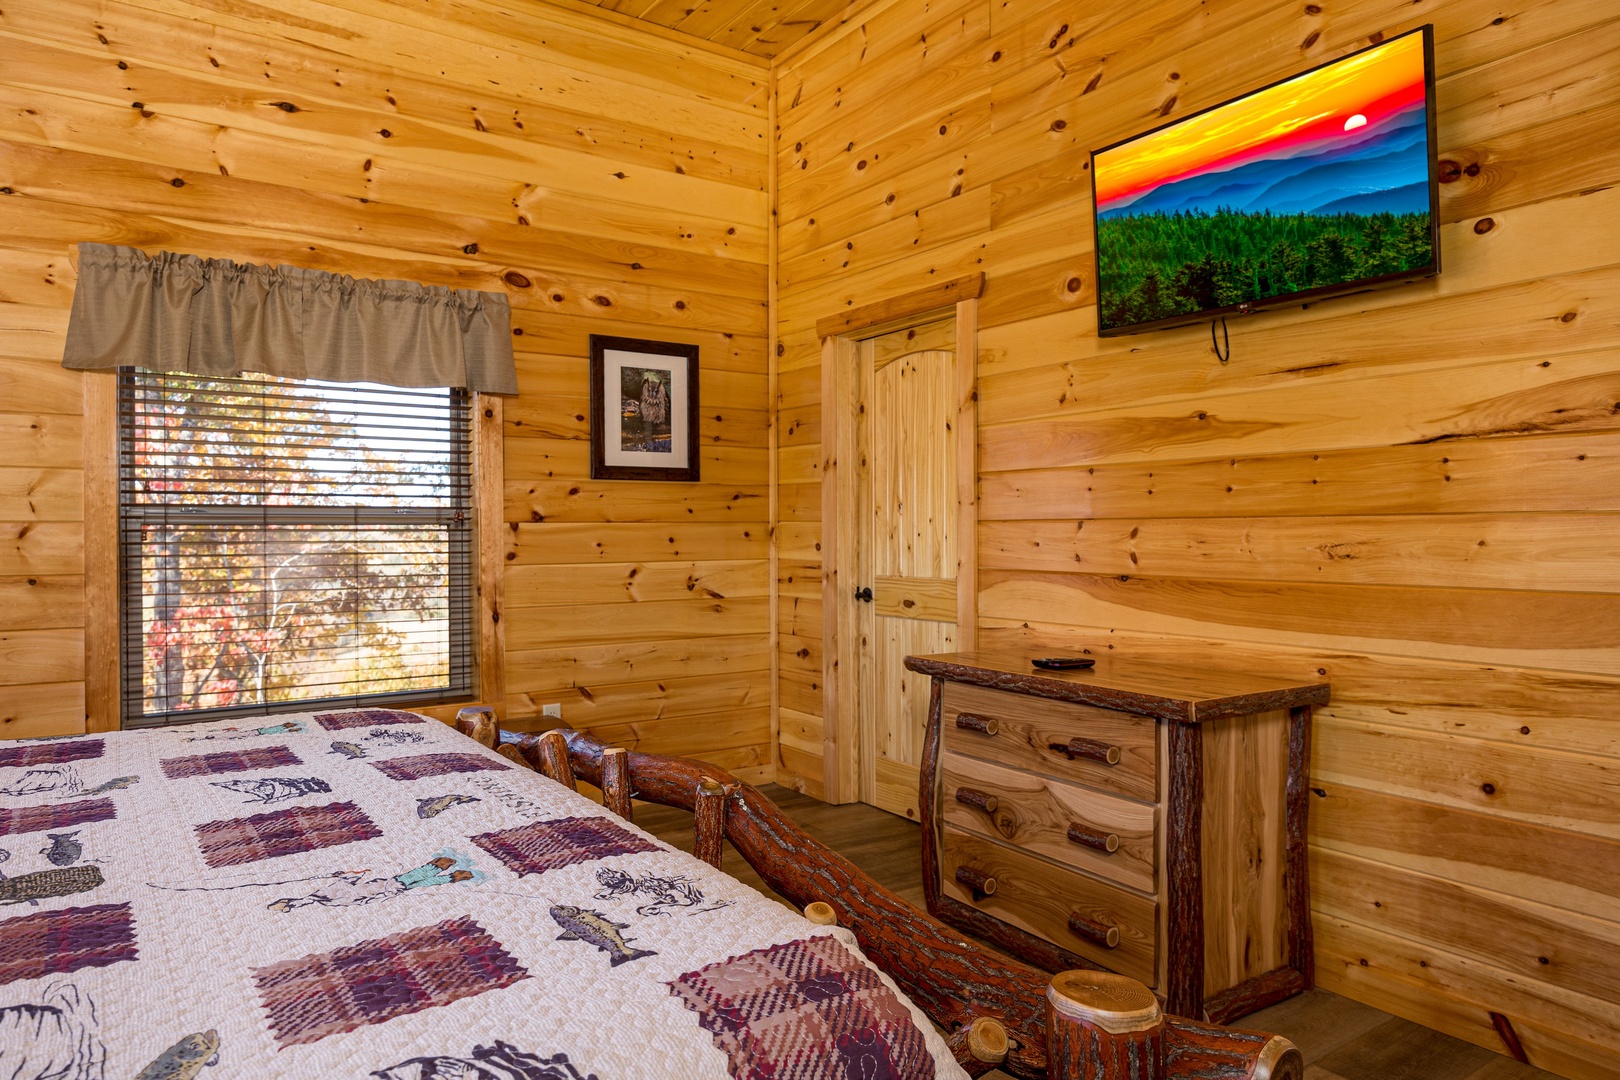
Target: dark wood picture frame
(604, 429)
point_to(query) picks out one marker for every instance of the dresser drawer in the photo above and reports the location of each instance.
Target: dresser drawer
(1034, 895)
(1112, 750)
(1102, 834)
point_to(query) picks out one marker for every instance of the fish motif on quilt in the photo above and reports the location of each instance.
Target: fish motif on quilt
(64, 848)
(594, 928)
(185, 1059)
(433, 807)
(117, 783)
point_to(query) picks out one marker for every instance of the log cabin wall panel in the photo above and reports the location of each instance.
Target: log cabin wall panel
(1411, 492)
(608, 180)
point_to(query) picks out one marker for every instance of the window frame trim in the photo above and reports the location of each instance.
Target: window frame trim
(103, 593)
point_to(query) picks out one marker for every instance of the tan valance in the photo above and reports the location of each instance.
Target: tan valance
(170, 312)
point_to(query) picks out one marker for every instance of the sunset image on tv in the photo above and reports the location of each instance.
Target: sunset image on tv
(1317, 182)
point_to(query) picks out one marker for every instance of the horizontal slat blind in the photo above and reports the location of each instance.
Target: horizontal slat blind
(291, 544)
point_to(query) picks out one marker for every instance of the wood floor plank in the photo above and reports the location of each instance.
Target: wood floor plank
(1317, 1021)
(1401, 1050)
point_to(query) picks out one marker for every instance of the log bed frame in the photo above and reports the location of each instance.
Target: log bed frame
(996, 1012)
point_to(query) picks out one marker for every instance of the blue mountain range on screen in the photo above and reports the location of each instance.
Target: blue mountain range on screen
(1375, 171)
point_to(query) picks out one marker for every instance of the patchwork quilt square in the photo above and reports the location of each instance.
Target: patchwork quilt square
(57, 942)
(51, 753)
(327, 993)
(229, 761)
(283, 832)
(419, 766)
(337, 721)
(806, 1010)
(547, 845)
(21, 819)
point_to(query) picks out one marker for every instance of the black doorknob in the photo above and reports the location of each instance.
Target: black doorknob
(863, 594)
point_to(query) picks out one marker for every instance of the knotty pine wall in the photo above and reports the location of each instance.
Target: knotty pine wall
(608, 180)
(1411, 492)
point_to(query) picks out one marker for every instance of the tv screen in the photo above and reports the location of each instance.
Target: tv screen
(1323, 183)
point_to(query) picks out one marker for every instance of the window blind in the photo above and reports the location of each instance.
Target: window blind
(291, 545)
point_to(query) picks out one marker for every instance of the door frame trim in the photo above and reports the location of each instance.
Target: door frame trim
(840, 393)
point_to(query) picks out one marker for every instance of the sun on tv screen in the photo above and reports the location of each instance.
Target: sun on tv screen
(1323, 183)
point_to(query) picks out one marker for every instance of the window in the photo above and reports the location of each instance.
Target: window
(287, 544)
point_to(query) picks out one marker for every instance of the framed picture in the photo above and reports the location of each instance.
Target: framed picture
(644, 409)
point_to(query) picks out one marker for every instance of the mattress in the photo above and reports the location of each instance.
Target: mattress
(366, 892)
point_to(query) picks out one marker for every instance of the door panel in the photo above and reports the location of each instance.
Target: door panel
(915, 598)
(908, 549)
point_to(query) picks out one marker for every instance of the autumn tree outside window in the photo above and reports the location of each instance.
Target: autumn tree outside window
(287, 542)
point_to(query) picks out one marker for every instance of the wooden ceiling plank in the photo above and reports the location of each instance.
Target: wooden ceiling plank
(711, 18)
(790, 22)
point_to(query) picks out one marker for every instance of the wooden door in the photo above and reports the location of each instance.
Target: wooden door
(907, 514)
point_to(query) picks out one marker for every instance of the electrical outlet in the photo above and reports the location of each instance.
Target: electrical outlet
(554, 709)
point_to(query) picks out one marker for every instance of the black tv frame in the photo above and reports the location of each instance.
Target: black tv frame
(1303, 296)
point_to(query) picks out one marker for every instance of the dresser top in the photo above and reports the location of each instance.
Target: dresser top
(1182, 692)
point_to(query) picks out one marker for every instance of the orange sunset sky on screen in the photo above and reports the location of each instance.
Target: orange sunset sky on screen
(1374, 84)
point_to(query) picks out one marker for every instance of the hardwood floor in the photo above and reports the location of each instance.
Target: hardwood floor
(1341, 1039)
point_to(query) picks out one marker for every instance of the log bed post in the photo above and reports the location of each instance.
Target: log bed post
(479, 723)
(709, 820)
(616, 781)
(554, 759)
(1103, 1026)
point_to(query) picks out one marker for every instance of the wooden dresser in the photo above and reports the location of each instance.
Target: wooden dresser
(1140, 817)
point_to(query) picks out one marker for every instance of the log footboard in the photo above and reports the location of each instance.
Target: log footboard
(956, 982)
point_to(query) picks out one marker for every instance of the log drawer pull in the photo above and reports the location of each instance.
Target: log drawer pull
(970, 797)
(984, 725)
(1107, 843)
(1107, 936)
(1091, 749)
(977, 882)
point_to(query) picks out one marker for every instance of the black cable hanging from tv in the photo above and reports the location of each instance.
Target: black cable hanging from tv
(1221, 322)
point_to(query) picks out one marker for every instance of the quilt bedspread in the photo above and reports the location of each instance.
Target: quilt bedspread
(366, 892)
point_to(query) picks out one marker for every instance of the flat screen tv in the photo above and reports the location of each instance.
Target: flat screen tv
(1321, 184)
